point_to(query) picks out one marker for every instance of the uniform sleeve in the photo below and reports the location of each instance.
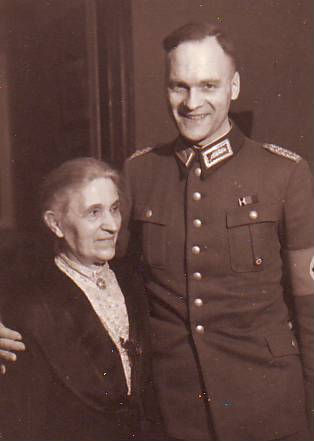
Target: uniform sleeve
(299, 261)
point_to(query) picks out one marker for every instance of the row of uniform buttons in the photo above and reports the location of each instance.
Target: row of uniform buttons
(197, 197)
(196, 249)
(197, 276)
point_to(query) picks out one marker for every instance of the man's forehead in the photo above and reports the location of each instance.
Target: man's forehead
(208, 43)
(189, 54)
(187, 64)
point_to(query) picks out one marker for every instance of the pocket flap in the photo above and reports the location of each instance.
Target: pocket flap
(283, 343)
(252, 214)
(151, 214)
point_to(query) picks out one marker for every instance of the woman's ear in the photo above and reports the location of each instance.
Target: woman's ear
(52, 222)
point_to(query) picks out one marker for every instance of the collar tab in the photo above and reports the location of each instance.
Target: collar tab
(213, 155)
(209, 156)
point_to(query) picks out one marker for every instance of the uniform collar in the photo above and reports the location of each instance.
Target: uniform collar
(210, 156)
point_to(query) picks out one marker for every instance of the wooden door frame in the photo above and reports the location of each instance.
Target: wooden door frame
(111, 78)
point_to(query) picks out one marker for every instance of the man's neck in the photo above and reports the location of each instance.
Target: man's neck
(216, 138)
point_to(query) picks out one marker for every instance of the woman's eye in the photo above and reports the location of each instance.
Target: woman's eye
(115, 208)
(94, 213)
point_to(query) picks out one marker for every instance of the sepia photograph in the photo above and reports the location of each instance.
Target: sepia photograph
(156, 220)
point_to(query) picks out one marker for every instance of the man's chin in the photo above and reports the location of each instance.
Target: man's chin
(194, 136)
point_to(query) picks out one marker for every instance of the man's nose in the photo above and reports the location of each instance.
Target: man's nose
(194, 99)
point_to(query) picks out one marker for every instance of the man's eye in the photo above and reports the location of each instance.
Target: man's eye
(208, 86)
(179, 88)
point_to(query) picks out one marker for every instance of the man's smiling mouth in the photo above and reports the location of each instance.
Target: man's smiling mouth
(196, 117)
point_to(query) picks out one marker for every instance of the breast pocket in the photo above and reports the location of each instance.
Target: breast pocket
(253, 237)
(154, 223)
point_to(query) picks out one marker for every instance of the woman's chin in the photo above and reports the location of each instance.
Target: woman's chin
(105, 256)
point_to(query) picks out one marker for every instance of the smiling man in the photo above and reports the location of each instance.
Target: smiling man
(218, 217)
(201, 82)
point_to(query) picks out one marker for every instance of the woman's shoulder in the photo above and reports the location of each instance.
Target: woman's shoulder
(23, 305)
(23, 257)
(25, 291)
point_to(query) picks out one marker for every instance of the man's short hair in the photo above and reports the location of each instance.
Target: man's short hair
(69, 176)
(197, 32)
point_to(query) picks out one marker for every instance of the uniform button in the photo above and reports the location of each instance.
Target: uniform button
(148, 213)
(196, 249)
(253, 214)
(198, 171)
(197, 276)
(197, 223)
(258, 261)
(198, 302)
(197, 196)
(200, 329)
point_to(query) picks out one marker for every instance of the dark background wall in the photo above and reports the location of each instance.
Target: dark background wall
(274, 41)
(66, 90)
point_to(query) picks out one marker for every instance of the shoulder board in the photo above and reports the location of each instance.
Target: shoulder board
(280, 151)
(140, 152)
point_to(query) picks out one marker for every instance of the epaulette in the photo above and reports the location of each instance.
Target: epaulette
(140, 152)
(282, 152)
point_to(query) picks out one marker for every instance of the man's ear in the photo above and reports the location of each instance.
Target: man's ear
(52, 222)
(235, 86)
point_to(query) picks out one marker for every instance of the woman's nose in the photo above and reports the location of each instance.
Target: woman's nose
(110, 222)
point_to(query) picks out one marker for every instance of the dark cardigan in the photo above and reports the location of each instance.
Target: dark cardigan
(69, 384)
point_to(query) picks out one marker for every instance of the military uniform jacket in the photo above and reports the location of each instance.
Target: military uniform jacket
(215, 229)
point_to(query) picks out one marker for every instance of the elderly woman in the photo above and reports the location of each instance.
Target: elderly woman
(84, 375)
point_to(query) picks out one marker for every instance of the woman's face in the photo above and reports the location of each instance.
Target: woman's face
(91, 222)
